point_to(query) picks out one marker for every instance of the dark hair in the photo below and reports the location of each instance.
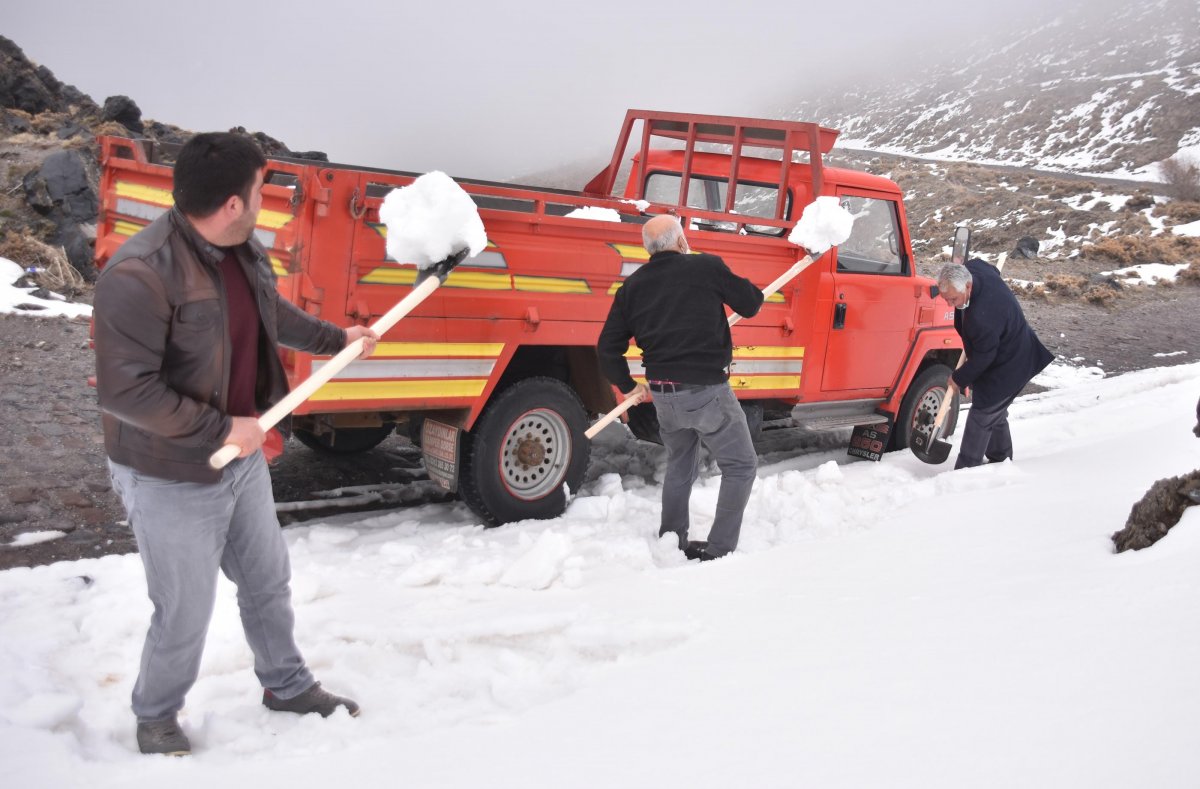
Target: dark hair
(211, 168)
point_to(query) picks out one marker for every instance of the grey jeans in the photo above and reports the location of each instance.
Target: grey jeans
(710, 415)
(185, 532)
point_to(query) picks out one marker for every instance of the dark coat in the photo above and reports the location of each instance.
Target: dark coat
(675, 306)
(1003, 353)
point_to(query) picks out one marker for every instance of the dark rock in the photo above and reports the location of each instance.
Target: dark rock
(34, 89)
(1157, 512)
(124, 111)
(14, 123)
(61, 190)
(69, 130)
(23, 495)
(1027, 248)
(65, 175)
(1140, 200)
(316, 156)
(73, 498)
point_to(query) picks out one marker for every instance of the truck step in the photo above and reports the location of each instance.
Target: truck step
(836, 422)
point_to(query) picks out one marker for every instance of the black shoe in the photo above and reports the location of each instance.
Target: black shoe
(697, 549)
(315, 699)
(163, 736)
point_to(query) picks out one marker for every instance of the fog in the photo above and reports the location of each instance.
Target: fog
(481, 90)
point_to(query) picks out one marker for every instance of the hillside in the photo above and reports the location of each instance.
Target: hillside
(1094, 89)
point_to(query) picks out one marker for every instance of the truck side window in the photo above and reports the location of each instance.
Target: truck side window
(750, 199)
(874, 243)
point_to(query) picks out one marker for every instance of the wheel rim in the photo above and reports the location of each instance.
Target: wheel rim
(931, 400)
(535, 454)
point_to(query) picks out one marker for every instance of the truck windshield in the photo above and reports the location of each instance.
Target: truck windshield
(708, 194)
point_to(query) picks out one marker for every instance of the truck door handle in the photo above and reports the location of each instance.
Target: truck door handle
(839, 316)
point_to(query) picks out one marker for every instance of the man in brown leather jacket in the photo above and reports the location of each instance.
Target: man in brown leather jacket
(187, 329)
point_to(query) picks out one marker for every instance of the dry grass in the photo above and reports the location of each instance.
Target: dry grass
(1190, 275)
(1181, 212)
(1073, 286)
(1130, 250)
(54, 271)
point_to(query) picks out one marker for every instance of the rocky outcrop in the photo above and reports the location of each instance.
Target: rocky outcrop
(34, 89)
(63, 190)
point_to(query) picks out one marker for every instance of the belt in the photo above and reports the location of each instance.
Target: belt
(672, 386)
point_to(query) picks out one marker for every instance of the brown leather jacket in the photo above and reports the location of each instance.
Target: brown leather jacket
(163, 347)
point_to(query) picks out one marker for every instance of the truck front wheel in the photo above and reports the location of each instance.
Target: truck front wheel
(920, 405)
(528, 442)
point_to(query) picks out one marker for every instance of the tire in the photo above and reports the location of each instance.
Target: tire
(345, 440)
(527, 443)
(920, 405)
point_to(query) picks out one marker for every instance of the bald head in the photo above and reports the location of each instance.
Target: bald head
(663, 233)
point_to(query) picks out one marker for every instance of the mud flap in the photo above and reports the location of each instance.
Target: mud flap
(869, 441)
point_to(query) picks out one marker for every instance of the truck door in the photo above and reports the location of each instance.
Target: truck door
(873, 299)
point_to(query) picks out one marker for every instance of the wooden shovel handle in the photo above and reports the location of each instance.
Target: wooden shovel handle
(780, 281)
(944, 407)
(309, 386)
(611, 416)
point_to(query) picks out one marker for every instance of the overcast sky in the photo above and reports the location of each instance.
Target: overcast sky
(485, 90)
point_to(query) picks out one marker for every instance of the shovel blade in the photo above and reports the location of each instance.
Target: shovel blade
(933, 452)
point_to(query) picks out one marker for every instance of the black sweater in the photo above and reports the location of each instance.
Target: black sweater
(675, 306)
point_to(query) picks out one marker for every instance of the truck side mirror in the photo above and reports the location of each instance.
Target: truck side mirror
(962, 244)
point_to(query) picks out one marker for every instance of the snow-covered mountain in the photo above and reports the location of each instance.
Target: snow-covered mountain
(1090, 89)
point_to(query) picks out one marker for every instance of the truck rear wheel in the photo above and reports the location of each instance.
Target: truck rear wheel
(345, 440)
(920, 405)
(528, 442)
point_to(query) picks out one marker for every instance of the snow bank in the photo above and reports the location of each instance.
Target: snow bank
(21, 300)
(939, 621)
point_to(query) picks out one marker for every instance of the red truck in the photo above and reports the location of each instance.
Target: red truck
(496, 373)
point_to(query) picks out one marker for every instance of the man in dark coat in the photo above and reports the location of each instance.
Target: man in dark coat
(1002, 354)
(674, 306)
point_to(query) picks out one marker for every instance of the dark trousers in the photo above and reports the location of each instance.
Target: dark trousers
(986, 435)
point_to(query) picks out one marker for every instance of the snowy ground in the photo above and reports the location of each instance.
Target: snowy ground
(887, 624)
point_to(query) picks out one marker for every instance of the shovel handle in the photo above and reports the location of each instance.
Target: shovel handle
(307, 388)
(944, 408)
(611, 416)
(780, 281)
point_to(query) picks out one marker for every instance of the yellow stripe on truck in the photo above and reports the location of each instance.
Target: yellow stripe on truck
(163, 197)
(399, 390)
(147, 194)
(745, 383)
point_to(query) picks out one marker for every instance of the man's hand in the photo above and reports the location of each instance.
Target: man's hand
(246, 433)
(639, 392)
(952, 388)
(369, 339)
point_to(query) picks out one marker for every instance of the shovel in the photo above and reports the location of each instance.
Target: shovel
(928, 447)
(430, 279)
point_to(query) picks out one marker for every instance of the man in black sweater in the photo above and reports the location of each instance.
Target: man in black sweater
(1003, 354)
(674, 306)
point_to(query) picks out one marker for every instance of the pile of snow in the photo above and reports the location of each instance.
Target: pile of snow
(823, 224)
(881, 624)
(1147, 273)
(431, 219)
(14, 299)
(595, 213)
